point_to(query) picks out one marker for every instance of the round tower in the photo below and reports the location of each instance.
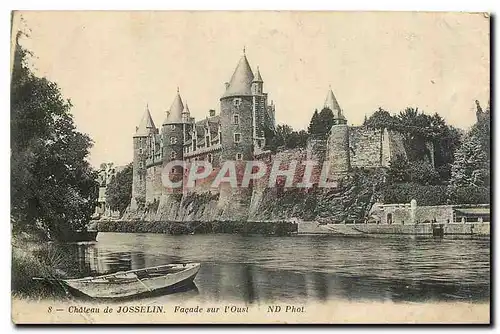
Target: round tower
(237, 114)
(172, 133)
(338, 140)
(141, 142)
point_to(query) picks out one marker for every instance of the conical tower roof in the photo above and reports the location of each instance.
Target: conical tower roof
(174, 114)
(186, 109)
(147, 126)
(258, 78)
(332, 104)
(241, 81)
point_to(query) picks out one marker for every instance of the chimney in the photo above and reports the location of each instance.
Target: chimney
(211, 112)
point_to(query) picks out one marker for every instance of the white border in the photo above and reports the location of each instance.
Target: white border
(352, 5)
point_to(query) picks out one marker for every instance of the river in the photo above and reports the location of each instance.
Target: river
(254, 269)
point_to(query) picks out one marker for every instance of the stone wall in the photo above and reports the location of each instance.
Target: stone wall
(365, 147)
(154, 185)
(396, 145)
(338, 153)
(441, 213)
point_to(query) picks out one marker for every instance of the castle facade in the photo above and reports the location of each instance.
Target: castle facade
(238, 133)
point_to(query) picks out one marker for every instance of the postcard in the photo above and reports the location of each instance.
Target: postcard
(257, 167)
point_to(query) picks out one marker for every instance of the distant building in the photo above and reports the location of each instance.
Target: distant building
(107, 171)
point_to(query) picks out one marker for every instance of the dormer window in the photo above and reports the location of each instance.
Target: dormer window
(172, 155)
(172, 126)
(237, 103)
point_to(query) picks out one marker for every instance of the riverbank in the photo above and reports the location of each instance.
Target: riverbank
(477, 230)
(198, 227)
(32, 257)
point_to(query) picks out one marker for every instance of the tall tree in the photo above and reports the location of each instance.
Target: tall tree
(325, 121)
(119, 190)
(482, 129)
(470, 167)
(52, 183)
(314, 123)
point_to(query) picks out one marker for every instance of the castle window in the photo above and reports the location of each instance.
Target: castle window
(140, 150)
(173, 140)
(172, 126)
(237, 137)
(141, 164)
(210, 158)
(172, 155)
(237, 103)
(207, 141)
(236, 119)
(239, 156)
(173, 170)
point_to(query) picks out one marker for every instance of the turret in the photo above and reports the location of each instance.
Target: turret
(186, 115)
(142, 147)
(237, 109)
(338, 152)
(332, 104)
(172, 132)
(257, 84)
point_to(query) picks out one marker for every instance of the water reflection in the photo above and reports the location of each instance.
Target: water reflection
(256, 269)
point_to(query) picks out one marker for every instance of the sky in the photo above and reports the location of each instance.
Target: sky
(111, 64)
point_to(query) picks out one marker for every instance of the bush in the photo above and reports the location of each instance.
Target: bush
(423, 194)
(469, 195)
(435, 195)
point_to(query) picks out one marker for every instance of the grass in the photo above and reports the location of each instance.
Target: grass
(30, 259)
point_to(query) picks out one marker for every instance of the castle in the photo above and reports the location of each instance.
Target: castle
(238, 133)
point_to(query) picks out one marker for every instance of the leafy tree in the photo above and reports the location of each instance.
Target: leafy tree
(322, 122)
(423, 173)
(119, 190)
(380, 119)
(481, 130)
(52, 184)
(398, 170)
(314, 124)
(470, 167)
(296, 139)
(325, 121)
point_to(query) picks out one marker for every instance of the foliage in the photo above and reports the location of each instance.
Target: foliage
(423, 194)
(52, 184)
(434, 194)
(119, 190)
(313, 124)
(321, 123)
(481, 130)
(398, 170)
(418, 129)
(470, 167)
(285, 137)
(469, 195)
(420, 172)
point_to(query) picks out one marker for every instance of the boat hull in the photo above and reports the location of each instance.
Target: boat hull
(96, 289)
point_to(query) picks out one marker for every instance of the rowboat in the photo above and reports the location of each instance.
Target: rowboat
(130, 283)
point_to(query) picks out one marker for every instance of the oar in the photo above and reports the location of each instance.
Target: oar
(45, 279)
